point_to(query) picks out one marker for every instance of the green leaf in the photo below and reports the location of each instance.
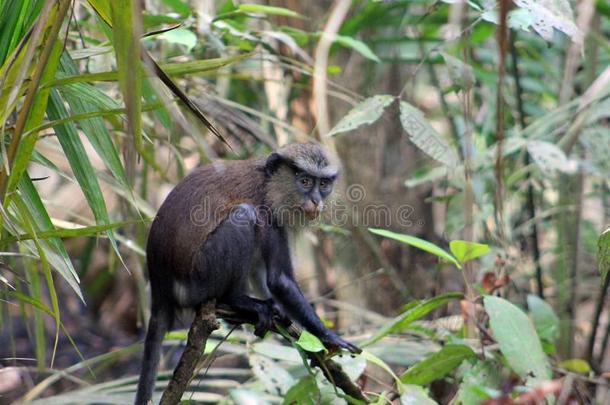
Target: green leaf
(172, 69)
(466, 251)
(70, 232)
(437, 365)
(54, 248)
(418, 243)
(415, 395)
(478, 381)
(102, 8)
(518, 340)
(269, 10)
(26, 145)
(603, 254)
(275, 379)
(16, 17)
(304, 392)
(545, 320)
(179, 6)
(76, 154)
(461, 73)
(180, 36)
(363, 113)
(126, 25)
(412, 314)
(550, 158)
(383, 365)
(425, 137)
(576, 365)
(310, 343)
(357, 46)
(94, 128)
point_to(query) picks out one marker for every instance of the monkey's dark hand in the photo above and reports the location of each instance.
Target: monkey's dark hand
(333, 341)
(265, 319)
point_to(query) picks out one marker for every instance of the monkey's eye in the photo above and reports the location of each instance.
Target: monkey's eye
(306, 182)
(324, 184)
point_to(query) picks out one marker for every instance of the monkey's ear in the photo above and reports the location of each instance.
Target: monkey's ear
(273, 163)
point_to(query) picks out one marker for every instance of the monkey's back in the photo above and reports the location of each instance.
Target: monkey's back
(194, 209)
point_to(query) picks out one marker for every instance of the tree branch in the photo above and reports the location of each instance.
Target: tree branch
(202, 327)
(205, 323)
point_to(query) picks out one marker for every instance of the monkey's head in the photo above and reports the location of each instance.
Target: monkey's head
(300, 176)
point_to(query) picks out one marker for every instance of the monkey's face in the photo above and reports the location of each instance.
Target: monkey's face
(313, 191)
(300, 178)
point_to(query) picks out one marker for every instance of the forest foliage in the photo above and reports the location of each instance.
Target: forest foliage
(486, 123)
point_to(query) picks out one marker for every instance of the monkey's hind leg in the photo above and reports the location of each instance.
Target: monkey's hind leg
(159, 324)
(263, 309)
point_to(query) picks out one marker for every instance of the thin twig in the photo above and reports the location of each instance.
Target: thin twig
(599, 307)
(530, 204)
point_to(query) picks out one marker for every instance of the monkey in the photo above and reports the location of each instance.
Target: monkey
(223, 233)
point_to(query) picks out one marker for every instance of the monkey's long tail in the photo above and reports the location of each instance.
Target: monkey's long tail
(159, 324)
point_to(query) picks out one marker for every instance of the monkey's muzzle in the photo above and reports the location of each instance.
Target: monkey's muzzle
(312, 210)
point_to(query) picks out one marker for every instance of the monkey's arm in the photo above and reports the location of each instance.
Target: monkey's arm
(286, 291)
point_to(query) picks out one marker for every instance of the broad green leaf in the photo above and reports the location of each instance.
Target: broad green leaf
(437, 365)
(549, 15)
(576, 365)
(126, 25)
(357, 46)
(545, 320)
(466, 251)
(479, 382)
(425, 137)
(243, 396)
(418, 243)
(309, 342)
(275, 379)
(518, 340)
(270, 10)
(412, 314)
(550, 158)
(180, 36)
(277, 351)
(304, 392)
(461, 74)
(603, 254)
(102, 8)
(366, 112)
(179, 6)
(352, 364)
(415, 395)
